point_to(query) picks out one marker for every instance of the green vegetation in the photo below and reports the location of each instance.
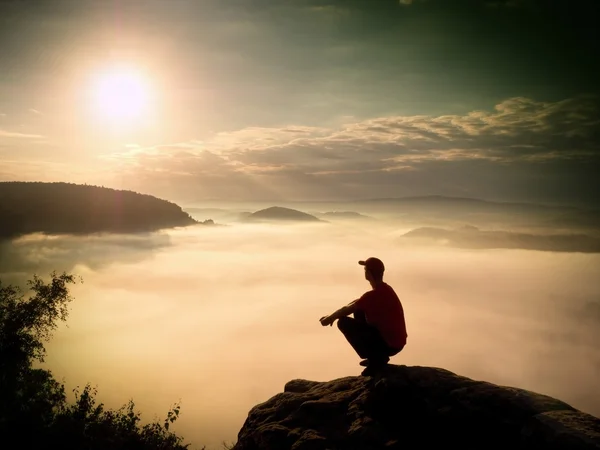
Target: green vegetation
(34, 411)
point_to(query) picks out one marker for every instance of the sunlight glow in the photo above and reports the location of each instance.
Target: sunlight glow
(121, 95)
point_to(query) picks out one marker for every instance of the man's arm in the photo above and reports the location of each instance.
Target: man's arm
(350, 308)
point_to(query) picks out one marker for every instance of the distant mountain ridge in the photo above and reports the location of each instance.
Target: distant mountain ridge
(336, 204)
(424, 197)
(62, 208)
(479, 210)
(469, 200)
(473, 238)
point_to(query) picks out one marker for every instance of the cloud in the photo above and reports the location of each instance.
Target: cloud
(35, 111)
(518, 133)
(222, 317)
(13, 134)
(41, 254)
(517, 129)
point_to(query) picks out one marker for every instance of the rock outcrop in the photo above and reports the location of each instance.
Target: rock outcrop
(414, 408)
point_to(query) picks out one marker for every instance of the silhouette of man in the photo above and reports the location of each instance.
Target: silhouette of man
(377, 329)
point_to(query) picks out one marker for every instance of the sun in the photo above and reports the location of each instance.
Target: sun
(120, 95)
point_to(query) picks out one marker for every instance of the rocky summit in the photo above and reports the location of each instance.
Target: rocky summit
(408, 408)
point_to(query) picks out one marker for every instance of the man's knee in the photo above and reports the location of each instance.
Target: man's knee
(360, 316)
(343, 323)
(394, 351)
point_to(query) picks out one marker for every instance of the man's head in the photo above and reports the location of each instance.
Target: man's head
(374, 269)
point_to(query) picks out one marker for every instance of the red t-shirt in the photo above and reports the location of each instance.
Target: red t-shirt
(384, 311)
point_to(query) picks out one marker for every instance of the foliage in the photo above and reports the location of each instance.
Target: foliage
(34, 411)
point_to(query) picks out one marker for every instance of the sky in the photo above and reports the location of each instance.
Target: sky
(220, 318)
(304, 99)
(216, 101)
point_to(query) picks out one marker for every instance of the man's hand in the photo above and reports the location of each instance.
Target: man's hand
(326, 320)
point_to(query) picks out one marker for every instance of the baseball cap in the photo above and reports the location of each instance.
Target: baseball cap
(374, 265)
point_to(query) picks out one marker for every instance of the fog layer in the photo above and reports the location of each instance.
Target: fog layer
(222, 317)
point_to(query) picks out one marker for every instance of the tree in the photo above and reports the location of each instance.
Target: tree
(34, 411)
(29, 395)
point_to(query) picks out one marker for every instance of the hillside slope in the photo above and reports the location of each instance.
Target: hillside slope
(56, 208)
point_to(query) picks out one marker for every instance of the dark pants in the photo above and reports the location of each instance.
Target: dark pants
(365, 339)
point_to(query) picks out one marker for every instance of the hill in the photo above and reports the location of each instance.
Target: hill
(474, 238)
(57, 208)
(408, 408)
(279, 213)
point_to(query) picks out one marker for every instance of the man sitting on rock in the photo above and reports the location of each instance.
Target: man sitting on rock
(377, 329)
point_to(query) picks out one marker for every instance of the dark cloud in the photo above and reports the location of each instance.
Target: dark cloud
(518, 129)
(548, 150)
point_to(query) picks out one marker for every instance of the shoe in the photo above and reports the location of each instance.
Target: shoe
(367, 362)
(370, 371)
(373, 367)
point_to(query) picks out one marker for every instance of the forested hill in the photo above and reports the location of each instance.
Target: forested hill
(28, 207)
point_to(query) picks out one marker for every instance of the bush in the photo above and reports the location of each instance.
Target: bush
(34, 412)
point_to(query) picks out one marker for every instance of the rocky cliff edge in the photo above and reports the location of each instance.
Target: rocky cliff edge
(414, 408)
